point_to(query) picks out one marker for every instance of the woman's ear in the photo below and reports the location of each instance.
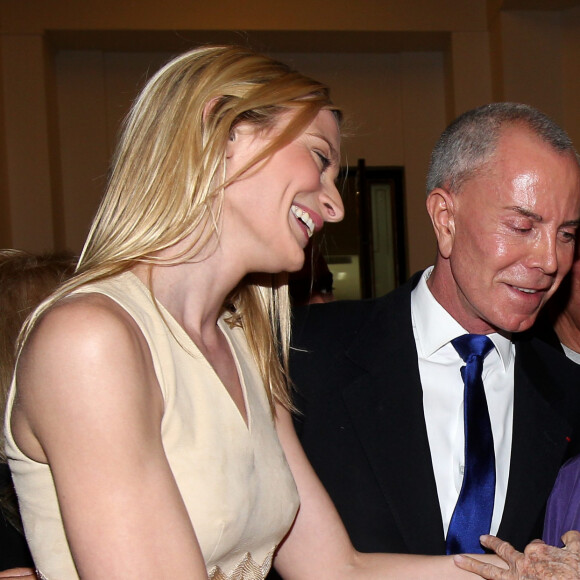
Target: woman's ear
(209, 108)
(207, 111)
(231, 144)
(441, 209)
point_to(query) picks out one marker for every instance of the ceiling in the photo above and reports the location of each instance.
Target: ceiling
(539, 4)
(372, 41)
(265, 41)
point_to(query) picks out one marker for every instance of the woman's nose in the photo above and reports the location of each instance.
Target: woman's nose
(332, 206)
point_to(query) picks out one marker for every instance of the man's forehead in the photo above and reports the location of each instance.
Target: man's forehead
(517, 136)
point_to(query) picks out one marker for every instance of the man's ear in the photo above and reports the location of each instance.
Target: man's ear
(441, 209)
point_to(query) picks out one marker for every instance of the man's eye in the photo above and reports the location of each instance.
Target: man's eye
(569, 236)
(522, 228)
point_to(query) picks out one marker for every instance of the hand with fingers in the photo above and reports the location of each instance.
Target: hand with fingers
(539, 561)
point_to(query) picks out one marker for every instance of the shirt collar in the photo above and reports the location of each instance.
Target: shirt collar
(435, 327)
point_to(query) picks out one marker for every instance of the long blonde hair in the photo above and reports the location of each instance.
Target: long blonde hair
(168, 180)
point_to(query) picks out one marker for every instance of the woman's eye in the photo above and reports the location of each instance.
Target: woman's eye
(324, 161)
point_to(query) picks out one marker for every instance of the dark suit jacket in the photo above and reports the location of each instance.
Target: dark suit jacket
(356, 374)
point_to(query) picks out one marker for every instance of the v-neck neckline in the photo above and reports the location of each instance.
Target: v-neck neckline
(185, 342)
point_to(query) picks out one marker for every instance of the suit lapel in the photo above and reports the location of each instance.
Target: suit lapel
(538, 447)
(385, 404)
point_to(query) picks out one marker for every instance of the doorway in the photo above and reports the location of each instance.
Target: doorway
(366, 252)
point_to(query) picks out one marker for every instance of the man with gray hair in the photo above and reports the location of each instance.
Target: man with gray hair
(433, 414)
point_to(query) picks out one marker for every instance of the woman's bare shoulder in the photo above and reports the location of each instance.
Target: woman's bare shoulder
(83, 324)
(85, 356)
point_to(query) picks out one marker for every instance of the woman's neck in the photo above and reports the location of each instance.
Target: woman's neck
(193, 293)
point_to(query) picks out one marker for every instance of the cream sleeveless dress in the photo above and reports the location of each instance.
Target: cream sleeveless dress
(234, 479)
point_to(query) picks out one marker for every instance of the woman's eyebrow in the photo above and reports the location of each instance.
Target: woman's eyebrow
(333, 151)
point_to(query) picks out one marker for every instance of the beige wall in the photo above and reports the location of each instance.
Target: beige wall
(570, 45)
(532, 43)
(94, 90)
(35, 16)
(29, 175)
(5, 222)
(401, 71)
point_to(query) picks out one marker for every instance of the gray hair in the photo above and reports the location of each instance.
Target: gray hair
(468, 143)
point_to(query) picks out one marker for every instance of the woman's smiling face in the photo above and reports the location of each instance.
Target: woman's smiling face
(272, 211)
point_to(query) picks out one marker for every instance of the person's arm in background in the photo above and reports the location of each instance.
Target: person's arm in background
(18, 573)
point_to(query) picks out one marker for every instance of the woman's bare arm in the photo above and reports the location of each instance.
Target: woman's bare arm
(318, 546)
(89, 404)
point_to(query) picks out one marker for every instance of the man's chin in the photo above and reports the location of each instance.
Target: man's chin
(507, 329)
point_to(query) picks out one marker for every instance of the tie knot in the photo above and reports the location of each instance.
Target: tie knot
(469, 345)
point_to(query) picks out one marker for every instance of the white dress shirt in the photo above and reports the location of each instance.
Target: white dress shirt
(439, 369)
(571, 354)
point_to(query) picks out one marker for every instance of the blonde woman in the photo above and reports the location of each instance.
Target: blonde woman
(149, 430)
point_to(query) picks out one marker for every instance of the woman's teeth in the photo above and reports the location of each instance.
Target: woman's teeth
(305, 218)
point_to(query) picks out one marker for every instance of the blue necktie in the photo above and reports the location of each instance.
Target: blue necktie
(474, 508)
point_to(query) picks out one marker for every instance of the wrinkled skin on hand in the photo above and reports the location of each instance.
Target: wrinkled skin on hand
(538, 562)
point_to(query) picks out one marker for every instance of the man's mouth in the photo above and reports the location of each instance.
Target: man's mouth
(527, 290)
(305, 218)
